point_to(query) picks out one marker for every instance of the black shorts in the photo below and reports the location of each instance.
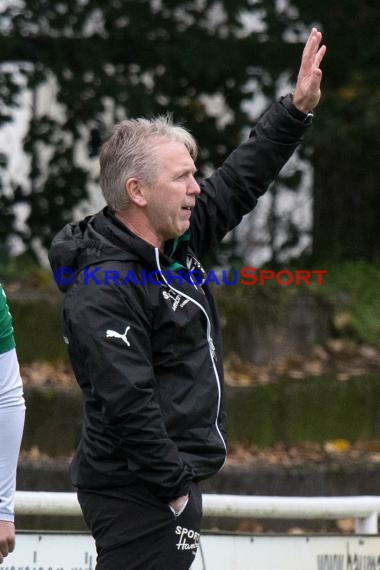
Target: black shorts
(135, 531)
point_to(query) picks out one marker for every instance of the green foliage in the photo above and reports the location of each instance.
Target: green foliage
(107, 61)
(27, 274)
(38, 329)
(349, 289)
(352, 290)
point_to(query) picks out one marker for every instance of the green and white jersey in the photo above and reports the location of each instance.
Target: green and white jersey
(7, 341)
(12, 412)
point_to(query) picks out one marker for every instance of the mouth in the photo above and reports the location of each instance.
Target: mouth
(188, 208)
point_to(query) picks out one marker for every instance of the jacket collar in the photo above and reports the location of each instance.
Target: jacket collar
(175, 250)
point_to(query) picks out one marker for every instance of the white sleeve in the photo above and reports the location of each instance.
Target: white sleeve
(12, 415)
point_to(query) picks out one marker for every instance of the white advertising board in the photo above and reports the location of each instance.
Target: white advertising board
(70, 551)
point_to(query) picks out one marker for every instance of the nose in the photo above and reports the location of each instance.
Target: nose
(193, 187)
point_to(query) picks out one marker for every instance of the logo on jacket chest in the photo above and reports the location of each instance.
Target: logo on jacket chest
(175, 299)
(193, 264)
(171, 295)
(122, 336)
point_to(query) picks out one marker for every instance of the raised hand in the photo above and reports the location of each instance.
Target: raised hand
(308, 88)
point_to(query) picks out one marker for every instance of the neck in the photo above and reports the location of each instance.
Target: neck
(139, 226)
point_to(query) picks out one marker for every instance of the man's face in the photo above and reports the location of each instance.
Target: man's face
(171, 197)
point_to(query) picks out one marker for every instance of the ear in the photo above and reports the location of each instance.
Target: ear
(135, 192)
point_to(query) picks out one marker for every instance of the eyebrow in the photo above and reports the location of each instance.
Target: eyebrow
(184, 170)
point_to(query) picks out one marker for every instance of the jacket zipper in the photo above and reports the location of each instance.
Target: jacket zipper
(210, 342)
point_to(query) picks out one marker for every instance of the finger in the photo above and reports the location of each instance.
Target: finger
(319, 56)
(4, 551)
(314, 36)
(309, 54)
(312, 45)
(315, 81)
(317, 77)
(11, 544)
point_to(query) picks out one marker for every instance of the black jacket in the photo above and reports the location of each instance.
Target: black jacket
(146, 355)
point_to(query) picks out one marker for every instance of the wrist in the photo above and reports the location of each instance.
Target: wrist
(296, 110)
(301, 105)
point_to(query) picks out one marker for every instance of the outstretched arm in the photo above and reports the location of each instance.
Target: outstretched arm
(233, 190)
(308, 88)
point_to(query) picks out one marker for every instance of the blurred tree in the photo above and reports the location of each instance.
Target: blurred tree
(9, 100)
(105, 61)
(205, 61)
(347, 152)
(346, 137)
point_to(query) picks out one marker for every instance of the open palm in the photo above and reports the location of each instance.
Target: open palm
(308, 88)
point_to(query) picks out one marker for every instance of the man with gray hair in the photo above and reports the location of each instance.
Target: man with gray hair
(144, 342)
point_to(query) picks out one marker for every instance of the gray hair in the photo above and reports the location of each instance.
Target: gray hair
(130, 153)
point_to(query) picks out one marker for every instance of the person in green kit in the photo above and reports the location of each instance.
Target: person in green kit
(12, 415)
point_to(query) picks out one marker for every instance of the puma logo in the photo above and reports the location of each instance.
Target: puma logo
(113, 334)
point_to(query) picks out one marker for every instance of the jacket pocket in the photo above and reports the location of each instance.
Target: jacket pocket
(177, 514)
